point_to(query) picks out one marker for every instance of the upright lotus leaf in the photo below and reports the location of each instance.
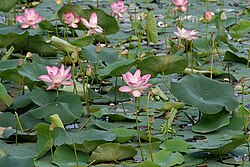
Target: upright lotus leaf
(211, 122)
(44, 142)
(8, 64)
(32, 71)
(46, 25)
(208, 95)
(220, 25)
(151, 28)
(116, 69)
(42, 97)
(219, 148)
(65, 155)
(4, 96)
(62, 109)
(11, 35)
(157, 64)
(63, 45)
(7, 5)
(67, 8)
(32, 42)
(109, 152)
(107, 22)
(240, 28)
(107, 55)
(85, 41)
(67, 105)
(167, 158)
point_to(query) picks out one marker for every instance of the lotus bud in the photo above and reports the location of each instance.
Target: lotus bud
(98, 48)
(74, 54)
(125, 52)
(89, 71)
(152, 119)
(20, 62)
(58, 2)
(28, 55)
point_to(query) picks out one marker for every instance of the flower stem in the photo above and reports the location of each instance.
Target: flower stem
(192, 57)
(149, 130)
(212, 57)
(165, 81)
(137, 125)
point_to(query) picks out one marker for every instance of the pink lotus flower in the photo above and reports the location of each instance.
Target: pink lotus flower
(136, 83)
(208, 16)
(186, 34)
(70, 19)
(92, 24)
(30, 18)
(56, 77)
(118, 8)
(180, 5)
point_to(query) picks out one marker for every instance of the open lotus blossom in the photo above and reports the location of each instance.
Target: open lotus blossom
(180, 5)
(70, 19)
(208, 16)
(56, 77)
(92, 24)
(30, 18)
(136, 83)
(186, 34)
(118, 8)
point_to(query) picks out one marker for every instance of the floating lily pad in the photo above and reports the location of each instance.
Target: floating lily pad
(211, 122)
(64, 155)
(109, 152)
(157, 64)
(168, 158)
(208, 95)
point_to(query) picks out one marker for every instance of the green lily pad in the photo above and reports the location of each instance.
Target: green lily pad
(157, 64)
(65, 156)
(7, 5)
(116, 69)
(211, 122)
(109, 152)
(175, 145)
(208, 95)
(168, 158)
(123, 134)
(147, 164)
(151, 28)
(224, 148)
(4, 96)
(12, 35)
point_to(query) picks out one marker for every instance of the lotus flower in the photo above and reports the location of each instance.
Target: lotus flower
(70, 19)
(92, 24)
(30, 18)
(208, 16)
(180, 5)
(186, 34)
(118, 8)
(58, 2)
(56, 77)
(136, 83)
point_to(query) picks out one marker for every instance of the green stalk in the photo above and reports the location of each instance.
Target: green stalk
(248, 59)
(73, 73)
(149, 130)
(137, 125)
(192, 57)
(212, 57)
(165, 81)
(165, 35)
(76, 156)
